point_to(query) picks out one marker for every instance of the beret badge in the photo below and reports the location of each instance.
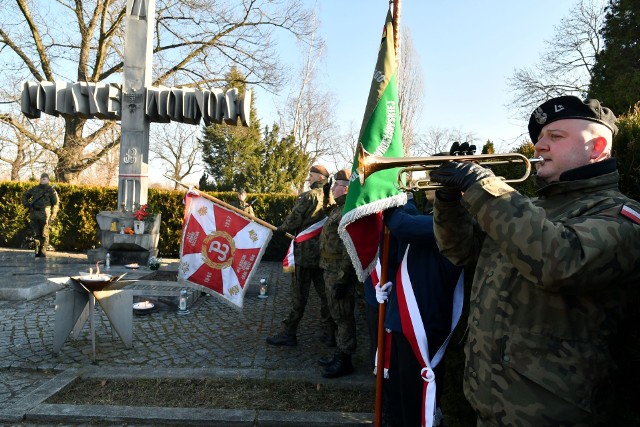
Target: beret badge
(540, 115)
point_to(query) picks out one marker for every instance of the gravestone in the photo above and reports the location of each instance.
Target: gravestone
(136, 104)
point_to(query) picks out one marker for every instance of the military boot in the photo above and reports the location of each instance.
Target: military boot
(325, 361)
(283, 339)
(341, 366)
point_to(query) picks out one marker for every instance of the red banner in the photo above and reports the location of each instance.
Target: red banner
(220, 249)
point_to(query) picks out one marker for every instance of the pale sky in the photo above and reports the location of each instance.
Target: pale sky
(467, 49)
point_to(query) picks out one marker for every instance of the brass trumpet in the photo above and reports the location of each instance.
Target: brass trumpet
(369, 163)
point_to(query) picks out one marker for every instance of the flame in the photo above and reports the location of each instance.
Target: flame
(98, 268)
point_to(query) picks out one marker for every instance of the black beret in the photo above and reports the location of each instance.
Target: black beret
(343, 175)
(44, 175)
(570, 107)
(320, 169)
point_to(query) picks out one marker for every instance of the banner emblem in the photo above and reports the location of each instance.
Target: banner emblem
(218, 249)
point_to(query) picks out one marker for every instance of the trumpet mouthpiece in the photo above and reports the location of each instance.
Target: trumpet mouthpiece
(539, 160)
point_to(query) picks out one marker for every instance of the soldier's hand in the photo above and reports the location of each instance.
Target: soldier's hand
(382, 292)
(459, 175)
(340, 290)
(463, 149)
(326, 188)
(448, 195)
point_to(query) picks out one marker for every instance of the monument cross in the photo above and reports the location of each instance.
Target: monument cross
(136, 103)
(133, 176)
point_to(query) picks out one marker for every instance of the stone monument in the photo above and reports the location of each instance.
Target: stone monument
(136, 104)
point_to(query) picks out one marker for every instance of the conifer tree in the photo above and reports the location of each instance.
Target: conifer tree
(616, 75)
(231, 154)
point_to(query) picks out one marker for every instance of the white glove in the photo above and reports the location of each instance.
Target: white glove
(382, 293)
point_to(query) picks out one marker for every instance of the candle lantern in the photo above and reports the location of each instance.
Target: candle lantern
(263, 288)
(182, 302)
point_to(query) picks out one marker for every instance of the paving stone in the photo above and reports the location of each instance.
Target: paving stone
(214, 336)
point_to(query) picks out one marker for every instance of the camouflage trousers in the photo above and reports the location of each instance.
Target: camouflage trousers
(40, 227)
(342, 312)
(300, 286)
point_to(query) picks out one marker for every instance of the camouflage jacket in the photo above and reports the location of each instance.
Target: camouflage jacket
(243, 206)
(43, 200)
(306, 211)
(548, 295)
(333, 254)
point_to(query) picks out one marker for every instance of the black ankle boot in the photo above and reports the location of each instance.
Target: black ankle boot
(325, 361)
(341, 366)
(283, 339)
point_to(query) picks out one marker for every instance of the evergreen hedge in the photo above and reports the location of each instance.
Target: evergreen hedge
(76, 228)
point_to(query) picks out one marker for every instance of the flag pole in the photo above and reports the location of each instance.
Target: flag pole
(384, 265)
(384, 262)
(231, 207)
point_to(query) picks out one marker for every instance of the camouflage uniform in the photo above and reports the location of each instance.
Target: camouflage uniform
(243, 206)
(548, 295)
(42, 201)
(306, 211)
(337, 266)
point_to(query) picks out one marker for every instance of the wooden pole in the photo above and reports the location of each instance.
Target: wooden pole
(384, 261)
(232, 208)
(384, 266)
(395, 19)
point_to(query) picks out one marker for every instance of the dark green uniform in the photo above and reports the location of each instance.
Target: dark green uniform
(552, 279)
(338, 269)
(307, 210)
(42, 201)
(243, 206)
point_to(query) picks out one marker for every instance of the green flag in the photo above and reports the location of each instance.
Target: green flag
(380, 134)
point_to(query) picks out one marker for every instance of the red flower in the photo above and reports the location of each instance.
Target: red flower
(141, 213)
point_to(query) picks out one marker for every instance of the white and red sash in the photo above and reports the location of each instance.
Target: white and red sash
(414, 331)
(288, 263)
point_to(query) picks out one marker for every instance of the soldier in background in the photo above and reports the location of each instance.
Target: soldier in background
(241, 202)
(42, 201)
(340, 283)
(553, 275)
(307, 211)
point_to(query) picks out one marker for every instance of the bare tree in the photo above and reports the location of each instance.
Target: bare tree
(438, 140)
(565, 68)
(343, 149)
(21, 157)
(410, 90)
(178, 148)
(196, 43)
(105, 170)
(308, 114)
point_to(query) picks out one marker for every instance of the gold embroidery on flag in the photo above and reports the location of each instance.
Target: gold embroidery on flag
(218, 249)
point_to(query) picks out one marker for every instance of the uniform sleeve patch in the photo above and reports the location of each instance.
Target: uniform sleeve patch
(630, 213)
